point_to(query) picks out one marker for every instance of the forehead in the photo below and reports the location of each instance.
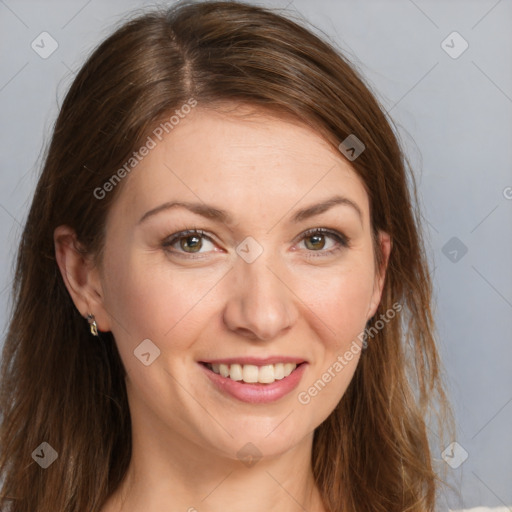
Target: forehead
(256, 163)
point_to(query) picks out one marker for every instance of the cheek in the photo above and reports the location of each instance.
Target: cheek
(341, 302)
(146, 300)
(339, 298)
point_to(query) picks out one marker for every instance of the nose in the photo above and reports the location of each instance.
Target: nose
(261, 304)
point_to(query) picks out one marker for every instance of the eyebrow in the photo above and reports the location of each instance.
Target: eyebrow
(222, 216)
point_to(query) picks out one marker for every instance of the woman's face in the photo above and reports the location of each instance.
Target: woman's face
(253, 288)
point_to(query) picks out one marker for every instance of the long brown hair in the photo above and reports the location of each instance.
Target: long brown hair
(61, 387)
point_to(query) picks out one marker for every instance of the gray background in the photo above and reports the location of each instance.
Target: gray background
(454, 117)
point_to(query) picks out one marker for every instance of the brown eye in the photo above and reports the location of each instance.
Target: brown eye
(191, 243)
(316, 240)
(186, 242)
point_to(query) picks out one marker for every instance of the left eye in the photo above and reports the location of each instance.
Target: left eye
(318, 236)
(191, 241)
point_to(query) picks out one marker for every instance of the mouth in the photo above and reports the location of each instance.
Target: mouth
(255, 381)
(253, 373)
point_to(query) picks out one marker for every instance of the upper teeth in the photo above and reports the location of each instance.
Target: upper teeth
(251, 373)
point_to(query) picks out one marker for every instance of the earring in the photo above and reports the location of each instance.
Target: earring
(364, 344)
(365, 336)
(92, 324)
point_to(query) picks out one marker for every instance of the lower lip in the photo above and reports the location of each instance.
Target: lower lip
(256, 393)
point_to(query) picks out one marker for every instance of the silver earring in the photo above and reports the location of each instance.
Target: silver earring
(92, 324)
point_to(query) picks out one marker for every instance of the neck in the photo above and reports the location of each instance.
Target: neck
(170, 472)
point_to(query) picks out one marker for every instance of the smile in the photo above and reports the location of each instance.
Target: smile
(265, 382)
(250, 373)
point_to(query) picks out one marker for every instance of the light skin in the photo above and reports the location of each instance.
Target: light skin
(203, 301)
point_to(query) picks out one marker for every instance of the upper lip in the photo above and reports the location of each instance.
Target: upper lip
(257, 361)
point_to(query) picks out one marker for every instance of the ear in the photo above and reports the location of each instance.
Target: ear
(384, 244)
(80, 276)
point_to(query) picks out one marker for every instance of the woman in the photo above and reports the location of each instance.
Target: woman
(221, 298)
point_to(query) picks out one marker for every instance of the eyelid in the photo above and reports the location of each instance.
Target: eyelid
(334, 233)
(175, 237)
(342, 240)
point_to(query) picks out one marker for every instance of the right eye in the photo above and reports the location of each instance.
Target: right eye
(190, 241)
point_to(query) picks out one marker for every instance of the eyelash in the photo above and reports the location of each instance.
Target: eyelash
(342, 241)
